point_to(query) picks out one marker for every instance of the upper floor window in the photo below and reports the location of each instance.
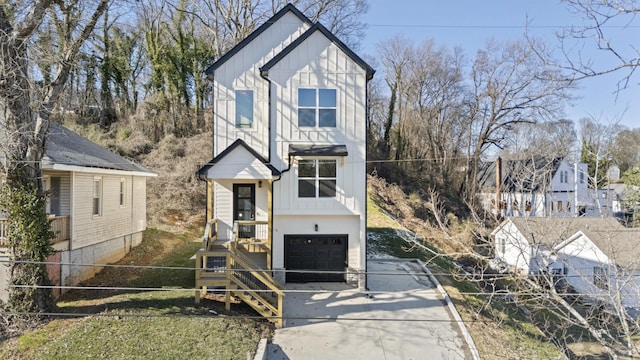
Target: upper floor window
(122, 193)
(581, 178)
(244, 109)
(316, 178)
(317, 107)
(601, 277)
(97, 196)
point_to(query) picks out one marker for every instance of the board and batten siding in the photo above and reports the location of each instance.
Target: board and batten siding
(243, 73)
(114, 220)
(319, 63)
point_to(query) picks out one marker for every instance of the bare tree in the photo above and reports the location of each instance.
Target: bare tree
(600, 19)
(511, 85)
(26, 109)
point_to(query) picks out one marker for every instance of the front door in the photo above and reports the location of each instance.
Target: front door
(244, 209)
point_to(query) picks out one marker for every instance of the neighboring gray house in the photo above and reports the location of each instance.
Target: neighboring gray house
(597, 257)
(541, 187)
(96, 203)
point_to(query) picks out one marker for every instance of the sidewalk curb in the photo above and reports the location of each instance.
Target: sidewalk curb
(463, 329)
(261, 350)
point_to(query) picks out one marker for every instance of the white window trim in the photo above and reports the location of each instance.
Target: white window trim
(317, 178)
(100, 196)
(317, 108)
(253, 127)
(122, 193)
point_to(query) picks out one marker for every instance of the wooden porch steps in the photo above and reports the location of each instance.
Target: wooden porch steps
(242, 279)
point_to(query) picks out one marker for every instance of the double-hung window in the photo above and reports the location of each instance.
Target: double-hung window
(316, 178)
(244, 109)
(97, 196)
(317, 107)
(123, 183)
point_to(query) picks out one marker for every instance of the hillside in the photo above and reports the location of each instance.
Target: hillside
(434, 228)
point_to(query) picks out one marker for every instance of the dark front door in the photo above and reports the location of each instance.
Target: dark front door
(315, 258)
(244, 209)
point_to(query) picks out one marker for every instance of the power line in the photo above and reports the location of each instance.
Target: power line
(498, 26)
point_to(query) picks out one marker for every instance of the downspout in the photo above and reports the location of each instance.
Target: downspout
(265, 75)
(366, 182)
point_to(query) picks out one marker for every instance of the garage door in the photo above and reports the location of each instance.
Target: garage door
(309, 253)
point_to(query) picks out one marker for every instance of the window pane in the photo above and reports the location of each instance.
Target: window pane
(327, 168)
(244, 108)
(306, 117)
(327, 97)
(244, 192)
(327, 118)
(307, 97)
(327, 188)
(306, 188)
(307, 168)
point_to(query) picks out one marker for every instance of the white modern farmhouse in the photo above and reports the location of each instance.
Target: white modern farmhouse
(287, 185)
(96, 204)
(542, 187)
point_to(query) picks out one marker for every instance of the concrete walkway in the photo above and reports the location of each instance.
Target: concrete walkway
(402, 317)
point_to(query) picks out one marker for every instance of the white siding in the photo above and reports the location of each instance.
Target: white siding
(223, 204)
(300, 225)
(114, 220)
(239, 164)
(65, 190)
(242, 73)
(318, 63)
(513, 248)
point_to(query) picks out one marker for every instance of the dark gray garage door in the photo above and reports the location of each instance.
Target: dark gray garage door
(315, 253)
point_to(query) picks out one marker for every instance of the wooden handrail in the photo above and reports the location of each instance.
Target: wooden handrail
(259, 274)
(210, 233)
(246, 276)
(263, 273)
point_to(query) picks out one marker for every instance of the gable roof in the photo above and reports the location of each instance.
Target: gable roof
(524, 175)
(620, 245)
(65, 148)
(552, 231)
(317, 27)
(262, 28)
(239, 142)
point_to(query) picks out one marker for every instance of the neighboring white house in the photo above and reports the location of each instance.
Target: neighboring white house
(96, 203)
(541, 187)
(289, 149)
(598, 257)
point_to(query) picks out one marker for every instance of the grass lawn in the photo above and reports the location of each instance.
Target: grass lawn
(140, 324)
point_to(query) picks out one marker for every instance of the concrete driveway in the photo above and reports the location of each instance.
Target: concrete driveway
(403, 316)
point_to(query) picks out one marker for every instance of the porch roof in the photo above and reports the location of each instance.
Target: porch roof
(232, 164)
(317, 150)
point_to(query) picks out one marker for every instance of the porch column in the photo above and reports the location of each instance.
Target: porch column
(269, 222)
(209, 200)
